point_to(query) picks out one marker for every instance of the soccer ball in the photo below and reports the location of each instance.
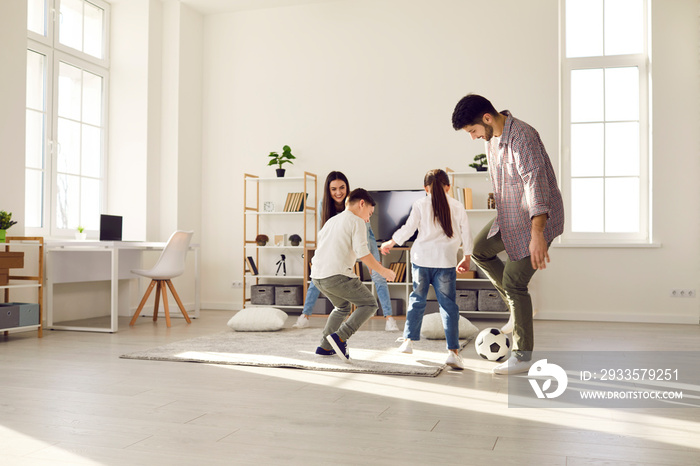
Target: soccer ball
(492, 344)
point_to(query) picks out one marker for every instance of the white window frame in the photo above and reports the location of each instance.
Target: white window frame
(54, 52)
(643, 64)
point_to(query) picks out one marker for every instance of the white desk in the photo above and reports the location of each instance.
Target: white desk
(89, 261)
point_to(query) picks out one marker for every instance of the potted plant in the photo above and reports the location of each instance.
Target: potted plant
(295, 239)
(262, 240)
(480, 163)
(80, 234)
(5, 223)
(279, 160)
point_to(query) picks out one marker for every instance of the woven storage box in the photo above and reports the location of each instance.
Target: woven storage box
(396, 308)
(490, 300)
(262, 294)
(9, 315)
(466, 300)
(288, 295)
(28, 313)
(322, 306)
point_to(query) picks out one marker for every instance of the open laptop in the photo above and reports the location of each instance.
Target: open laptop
(110, 227)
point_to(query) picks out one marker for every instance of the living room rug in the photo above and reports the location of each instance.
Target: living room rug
(372, 352)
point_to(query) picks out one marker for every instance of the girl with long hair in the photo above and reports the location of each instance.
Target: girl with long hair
(443, 227)
(335, 191)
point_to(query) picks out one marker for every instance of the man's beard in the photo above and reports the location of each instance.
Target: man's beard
(488, 132)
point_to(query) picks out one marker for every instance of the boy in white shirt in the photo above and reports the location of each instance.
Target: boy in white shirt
(341, 241)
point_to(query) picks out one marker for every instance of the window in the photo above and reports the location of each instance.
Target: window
(67, 81)
(605, 120)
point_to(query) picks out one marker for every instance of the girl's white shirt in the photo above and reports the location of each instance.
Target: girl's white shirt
(432, 248)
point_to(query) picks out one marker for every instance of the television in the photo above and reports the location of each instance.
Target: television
(391, 211)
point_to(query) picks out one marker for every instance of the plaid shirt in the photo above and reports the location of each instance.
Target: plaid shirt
(524, 186)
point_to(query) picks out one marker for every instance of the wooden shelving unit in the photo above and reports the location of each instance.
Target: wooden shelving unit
(257, 221)
(23, 281)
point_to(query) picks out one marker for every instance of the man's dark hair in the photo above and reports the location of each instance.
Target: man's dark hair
(360, 194)
(470, 110)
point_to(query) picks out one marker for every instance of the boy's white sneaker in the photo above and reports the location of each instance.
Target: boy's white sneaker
(302, 322)
(406, 347)
(512, 366)
(391, 325)
(508, 327)
(454, 361)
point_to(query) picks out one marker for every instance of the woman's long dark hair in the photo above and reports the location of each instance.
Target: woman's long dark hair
(437, 180)
(328, 208)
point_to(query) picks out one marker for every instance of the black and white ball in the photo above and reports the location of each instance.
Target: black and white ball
(492, 344)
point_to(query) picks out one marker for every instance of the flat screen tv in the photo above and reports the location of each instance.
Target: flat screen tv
(391, 211)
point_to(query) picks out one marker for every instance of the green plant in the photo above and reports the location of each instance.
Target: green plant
(278, 159)
(80, 229)
(6, 220)
(479, 162)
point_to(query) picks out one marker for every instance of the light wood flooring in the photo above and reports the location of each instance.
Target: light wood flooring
(68, 399)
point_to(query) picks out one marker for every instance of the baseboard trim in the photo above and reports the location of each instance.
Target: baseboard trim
(618, 317)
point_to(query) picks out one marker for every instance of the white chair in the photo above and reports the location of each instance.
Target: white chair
(171, 264)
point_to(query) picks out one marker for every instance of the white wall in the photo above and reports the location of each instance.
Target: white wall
(13, 56)
(368, 88)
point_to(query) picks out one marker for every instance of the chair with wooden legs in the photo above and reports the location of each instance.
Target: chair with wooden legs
(171, 264)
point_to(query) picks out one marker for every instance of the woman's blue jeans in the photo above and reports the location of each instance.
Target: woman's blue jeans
(379, 282)
(444, 283)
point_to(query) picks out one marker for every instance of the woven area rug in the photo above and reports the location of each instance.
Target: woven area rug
(370, 352)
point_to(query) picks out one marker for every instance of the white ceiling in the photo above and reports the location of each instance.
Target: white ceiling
(208, 7)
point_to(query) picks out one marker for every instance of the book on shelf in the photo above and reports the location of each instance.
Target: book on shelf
(251, 265)
(400, 269)
(468, 202)
(295, 202)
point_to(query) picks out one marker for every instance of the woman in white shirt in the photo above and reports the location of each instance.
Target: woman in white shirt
(443, 227)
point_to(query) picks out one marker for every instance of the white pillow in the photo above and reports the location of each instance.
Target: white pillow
(258, 319)
(432, 328)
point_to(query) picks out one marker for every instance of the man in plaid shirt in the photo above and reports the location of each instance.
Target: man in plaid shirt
(530, 214)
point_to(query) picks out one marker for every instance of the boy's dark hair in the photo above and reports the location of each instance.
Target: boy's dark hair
(360, 194)
(470, 110)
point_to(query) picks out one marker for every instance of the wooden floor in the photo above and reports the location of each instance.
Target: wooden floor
(67, 399)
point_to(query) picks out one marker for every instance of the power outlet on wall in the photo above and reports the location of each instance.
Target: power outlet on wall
(236, 284)
(682, 293)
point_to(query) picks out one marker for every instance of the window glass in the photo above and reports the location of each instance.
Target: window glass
(622, 94)
(622, 149)
(584, 28)
(587, 95)
(587, 202)
(624, 27)
(587, 149)
(621, 205)
(36, 16)
(70, 27)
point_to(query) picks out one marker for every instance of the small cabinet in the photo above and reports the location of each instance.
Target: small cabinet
(24, 258)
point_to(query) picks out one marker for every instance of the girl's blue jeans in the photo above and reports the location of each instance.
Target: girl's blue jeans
(444, 283)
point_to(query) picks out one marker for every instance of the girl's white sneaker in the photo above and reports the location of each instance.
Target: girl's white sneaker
(406, 347)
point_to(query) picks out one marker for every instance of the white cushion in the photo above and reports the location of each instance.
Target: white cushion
(432, 328)
(258, 319)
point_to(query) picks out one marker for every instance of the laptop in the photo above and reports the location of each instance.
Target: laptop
(110, 227)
